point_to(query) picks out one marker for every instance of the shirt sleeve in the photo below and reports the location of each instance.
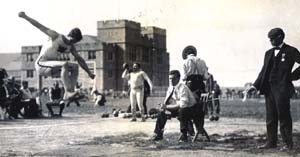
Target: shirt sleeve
(204, 69)
(183, 97)
(184, 71)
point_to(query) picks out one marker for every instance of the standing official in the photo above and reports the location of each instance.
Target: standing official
(275, 82)
(195, 71)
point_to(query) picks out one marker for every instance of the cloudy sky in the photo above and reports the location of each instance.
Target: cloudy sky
(230, 35)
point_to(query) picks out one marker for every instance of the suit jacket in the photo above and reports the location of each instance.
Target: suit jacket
(288, 56)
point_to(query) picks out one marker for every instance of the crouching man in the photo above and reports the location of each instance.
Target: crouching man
(183, 107)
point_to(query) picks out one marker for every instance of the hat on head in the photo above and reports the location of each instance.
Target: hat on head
(275, 32)
(189, 50)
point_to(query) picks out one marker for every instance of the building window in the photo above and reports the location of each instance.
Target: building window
(65, 57)
(110, 56)
(91, 54)
(110, 73)
(145, 56)
(29, 57)
(29, 73)
(132, 55)
(139, 53)
(159, 58)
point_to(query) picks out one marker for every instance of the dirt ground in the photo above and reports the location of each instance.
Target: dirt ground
(82, 132)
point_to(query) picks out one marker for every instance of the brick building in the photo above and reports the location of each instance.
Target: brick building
(117, 41)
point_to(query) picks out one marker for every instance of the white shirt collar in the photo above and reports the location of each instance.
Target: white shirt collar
(176, 86)
(277, 51)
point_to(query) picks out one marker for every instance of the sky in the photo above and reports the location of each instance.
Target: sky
(230, 35)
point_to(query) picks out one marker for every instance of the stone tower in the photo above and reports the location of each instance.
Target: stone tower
(144, 45)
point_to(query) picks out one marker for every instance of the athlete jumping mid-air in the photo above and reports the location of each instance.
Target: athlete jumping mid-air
(48, 61)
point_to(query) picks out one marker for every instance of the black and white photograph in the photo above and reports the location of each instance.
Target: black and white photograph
(150, 78)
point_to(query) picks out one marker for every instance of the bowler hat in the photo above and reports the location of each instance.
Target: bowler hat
(188, 50)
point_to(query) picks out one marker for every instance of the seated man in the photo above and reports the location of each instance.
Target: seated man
(31, 108)
(14, 98)
(3, 99)
(99, 98)
(185, 108)
(55, 95)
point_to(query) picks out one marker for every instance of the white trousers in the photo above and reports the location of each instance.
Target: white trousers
(137, 97)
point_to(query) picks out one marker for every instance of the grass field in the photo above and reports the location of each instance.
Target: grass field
(252, 108)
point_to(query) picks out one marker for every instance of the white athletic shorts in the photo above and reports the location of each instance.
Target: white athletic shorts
(48, 68)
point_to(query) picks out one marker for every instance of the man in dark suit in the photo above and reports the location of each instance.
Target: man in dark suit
(275, 82)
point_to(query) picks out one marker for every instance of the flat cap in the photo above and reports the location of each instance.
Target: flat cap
(275, 32)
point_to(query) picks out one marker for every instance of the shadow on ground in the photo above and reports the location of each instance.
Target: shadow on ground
(242, 140)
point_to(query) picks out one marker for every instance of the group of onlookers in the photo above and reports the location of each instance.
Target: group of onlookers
(183, 100)
(16, 101)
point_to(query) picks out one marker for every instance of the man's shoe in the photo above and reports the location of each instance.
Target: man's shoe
(212, 118)
(143, 119)
(267, 146)
(157, 137)
(287, 147)
(183, 138)
(216, 118)
(191, 133)
(133, 120)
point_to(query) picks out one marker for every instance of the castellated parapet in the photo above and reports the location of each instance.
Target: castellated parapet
(153, 30)
(118, 24)
(89, 46)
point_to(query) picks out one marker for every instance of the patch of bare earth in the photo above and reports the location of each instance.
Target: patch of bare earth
(82, 132)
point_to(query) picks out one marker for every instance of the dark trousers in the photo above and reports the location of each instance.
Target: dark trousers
(185, 117)
(55, 103)
(278, 109)
(214, 107)
(14, 108)
(196, 85)
(31, 109)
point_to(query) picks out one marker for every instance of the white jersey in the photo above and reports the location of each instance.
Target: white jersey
(52, 50)
(137, 79)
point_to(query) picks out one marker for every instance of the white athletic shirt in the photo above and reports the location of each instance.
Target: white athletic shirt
(136, 79)
(52, 49)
